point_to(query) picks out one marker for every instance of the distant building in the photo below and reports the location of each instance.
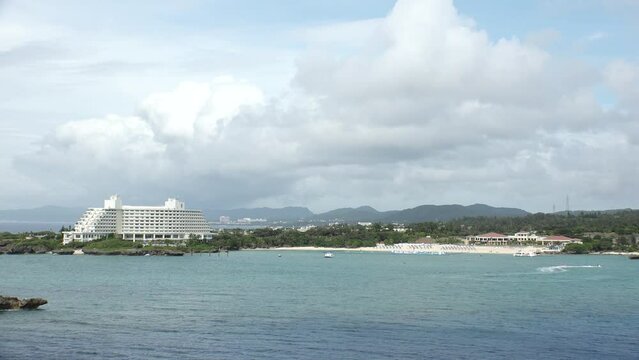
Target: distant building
(305, 228)
(171, 222)
(493, 238)
(524, 236)
(247, 220)
(399, 228)
(225, 219)
(559, 240)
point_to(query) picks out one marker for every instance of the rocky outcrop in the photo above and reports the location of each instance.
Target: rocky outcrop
(13, 249)
(133, 252)
(14, 303)
(63, 252)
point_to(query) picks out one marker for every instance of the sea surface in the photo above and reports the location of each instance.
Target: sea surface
(254, 305)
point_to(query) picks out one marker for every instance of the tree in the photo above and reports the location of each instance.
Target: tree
(576, 249)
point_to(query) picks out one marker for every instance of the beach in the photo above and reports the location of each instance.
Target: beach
(435, 248)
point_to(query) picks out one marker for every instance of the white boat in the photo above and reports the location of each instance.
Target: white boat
(328, 255)
(525, 253)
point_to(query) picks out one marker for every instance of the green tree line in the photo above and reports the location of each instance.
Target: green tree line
(600, 231)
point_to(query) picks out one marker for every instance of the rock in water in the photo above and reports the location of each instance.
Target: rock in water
(13, 303)
(33, 303)
(9, 303)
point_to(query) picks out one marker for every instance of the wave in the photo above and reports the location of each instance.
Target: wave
(564, 268)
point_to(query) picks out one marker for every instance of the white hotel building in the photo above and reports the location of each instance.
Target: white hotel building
(171, 222)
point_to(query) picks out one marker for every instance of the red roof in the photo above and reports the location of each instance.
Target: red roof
(492, 235)
(558, 237)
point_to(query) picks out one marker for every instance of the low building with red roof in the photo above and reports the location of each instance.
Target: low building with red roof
(557, 240)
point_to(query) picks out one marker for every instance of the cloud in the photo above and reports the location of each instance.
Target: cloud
(596, 36)
(623, 78)
(198, 109)
(420, 106)
(180, 139)
(428, 49)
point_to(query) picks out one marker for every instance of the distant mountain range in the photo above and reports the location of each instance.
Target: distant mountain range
(290, 213)
(295, 214)
(369, 214)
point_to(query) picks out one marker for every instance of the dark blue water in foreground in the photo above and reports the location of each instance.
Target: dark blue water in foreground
(301, 306)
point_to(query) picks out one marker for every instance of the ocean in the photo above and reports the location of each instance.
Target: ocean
(255, 305)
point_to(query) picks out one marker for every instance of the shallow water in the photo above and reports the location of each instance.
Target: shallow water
(254, 304)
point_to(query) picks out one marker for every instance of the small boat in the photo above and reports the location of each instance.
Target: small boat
(633, 257)
(522, 253)
(328, 255)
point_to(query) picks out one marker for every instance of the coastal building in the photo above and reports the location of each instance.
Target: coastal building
(520, 238)
(557, 240)
(491, 238)
(524, 236)
(171, 222)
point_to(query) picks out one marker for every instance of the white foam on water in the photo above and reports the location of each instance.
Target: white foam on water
(564, 268)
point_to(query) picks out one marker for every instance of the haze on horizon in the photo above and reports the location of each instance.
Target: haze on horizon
(230, 104)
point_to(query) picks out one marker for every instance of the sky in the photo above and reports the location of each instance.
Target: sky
(340, 103)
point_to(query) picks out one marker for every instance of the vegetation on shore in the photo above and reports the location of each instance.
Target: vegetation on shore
(607, 231)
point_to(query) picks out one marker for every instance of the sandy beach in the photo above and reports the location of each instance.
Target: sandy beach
(446, 248)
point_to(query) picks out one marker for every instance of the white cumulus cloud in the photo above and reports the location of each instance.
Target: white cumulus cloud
(420, 106)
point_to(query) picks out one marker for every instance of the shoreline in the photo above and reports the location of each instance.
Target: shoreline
(404, 248)
(435, 248)
(445, 248)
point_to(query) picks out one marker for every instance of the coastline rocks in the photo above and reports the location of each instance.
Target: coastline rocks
(133, 252)
(168, 253)
(15, 249)
(63, 252)
(14, 303)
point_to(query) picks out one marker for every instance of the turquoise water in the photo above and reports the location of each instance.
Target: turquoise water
(254, 304)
